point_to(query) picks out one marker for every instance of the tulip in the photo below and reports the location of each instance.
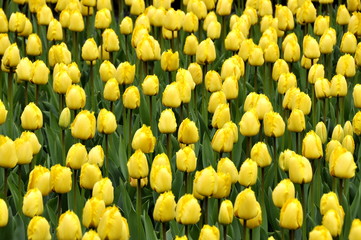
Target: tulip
(77, 156)
(343, 15)
(290, 98)
(4, 213)
(76, 21)
(347, 128)
(103, 190)
(92, 212)
(103, 18)
(291, 216)
(197, 7)
(111, 90)
(3, 113)
(349, 143)
(300, 169)
(216, 98)
(106, 122)
(131, 97)
(223, 186)
(24, 151)
(310, 47)
(232, 67)
(89, 51)
(209, 233)
(355, 94)
(230, 87)
(214, 30)
(249, 124)
(190, 45)
(106, 71)
(265, 8)
(110, 40)
(148, 49)
(126, 26)
(285, 18)
(225, 165)
(342, 164)
(31, 137)
(348, 43)
(260, 154)
(165, 207)
(11, 57)
(279, 67)
(312, 146)
(225, 215)
(337, 133)
(17, 22)
(285, 82)
(188, 132)
(125, 73)
(32, 117)
(322, 23)
(206, 181)
(188, 210)
(138, 165)
(354, 23)
(321, 131)
(303, 102)
(221, 116)
(55, 32)
(223, 140)
(161, 177)
(296, 121)
(69, 226)
(307, 13)
(60, 179)
(284, 159)
(273, 124)
(233, 40)
(96, 156)
(185, 84)
(338, 86)
(333, 222)
(331, 145)
(284, 191)
(33, 46)
(59, 54)
(248, 173)
(24, 70)
(171, 95)
(206, 52)
(167, 121)
(144, 140)
(40, 178)
(346, 66)
(186, 159)
(213, 81)
(355, 230)
(4, 28)
(292, 52)
(89, 175)
(353, 5)
(330, 201)
(137, 7)
(190, 23)
(327, 41)
(320, 233)
(150, 85)
(44, 15)
(91, 235)
(75, 97)
(256, 56)
(4, 42)
(33, 203)
(39, 228)
(356, 123)
(245, 206)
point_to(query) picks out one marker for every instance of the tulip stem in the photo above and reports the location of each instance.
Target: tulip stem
(324, 110)
(74, 190)
(255, 80)
(130, 131)
(186, 230)
(185, 182)
(224, 232)
(292, 235)
(1, 83)
(36, 94)
(106, 165)
(151, 111)
(11, 102)
(275, 156)
(59, 204)
(63, 145)
(304, 199)
(337, 109)
(169, 146)
(249, 144)
(75, 45)
(245, 229)
(139, 202)
(91, 73)
(6, 175)
(205, 210)
(26, 92)
(164, 231)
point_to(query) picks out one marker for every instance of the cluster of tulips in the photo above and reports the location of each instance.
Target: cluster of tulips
(209, 120)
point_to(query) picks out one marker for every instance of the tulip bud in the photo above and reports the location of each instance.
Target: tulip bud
(343, 15)
(338, 86)
(186, 159)
(342, 164)
(230, 87)
(355, 94)
(59, 54)
(321, 131)
(24, 151)
(106, 122)
(188, 132)
(284, 158)
(89, 51)
(248, 173)
(4, 42)
(11, 58)
(285, 82)
(103, 18)
(126, 26)
(92, 212)
(213, 81)
(332, 221)
(284, 191)
(337, 133)
(225, 215)
(4, 216)
(33, 45)
(206, 52)
(144, 140)
(303, 102)
(273, 124)
(76, 21)
(279, 67)
(355, 230)
(310, 47)
(291, 216)
(170, 61)
(249, 124)
(33, 203)
(107, 71)
(96, 156)
(221, 116)
(260, 154)
(190, 23)
(17, 22)
(300, 169)
(356, 123)
(167, 121)
(24, 70)
(306, 13)
(245, 206)
(68, 226)
(188, 210)
(346, 66)
(209, 232)
(110, 40)
(292, 51)
(104, 190)
(38, 228)
(61, 84)
(348, 43)
(4, 28)
(161, 174)
(77, 156)
(40, 178)
(75, 97)
(32, 117)
(322, 23)
(111, 90)
(150, 85)
(164, 209)
(131, 97)
(312, 146)
(89, 175)
(223, 140)
(148, 49)
(138, 165)
(55, 31)
(206, 181)
(190, 45)
(83, 126)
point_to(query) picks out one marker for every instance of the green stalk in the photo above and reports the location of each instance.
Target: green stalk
(292, 235)
(313, 106)
(74, 189)
(275, 157)
(92, 99)
(151, 111)
(249, 144)
(245, 229)
(106, 165)
(63, 145)
(337, 109)
(255, 86)
(26, 92)
(169, 146)
(75, 45)
(130, 132)
(6, 175)
(224, 232)
(36, 94)
(205, 201)
(11, 103)
(164, 231)
(139, 203)
(342, 109)
(304, 227)
(324, 110)
(185, 176)
(59, 204)
(186, 230)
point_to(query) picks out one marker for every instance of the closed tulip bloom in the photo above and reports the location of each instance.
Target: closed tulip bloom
(232, 67)
(138, 165)
(33, 45)
(110, 40)
(206, 52)
(5, 26)
(245, 206)
(59, 54)
(3, 113)
(131, 97)
(311, 48)
(355, 230)
(256, 56)
(137, 7)
(284, 158)
(76, 21)
(224, 7)
(55, 31)
(40, 73)
(107, 71)
(188, 132)
(265, 8)
(223, 185)
(285, 17)
(4, 213)
(171, 95)
(245, 49)
(221, 116)
(75, 97)
(285, 82)
(322, 23)
(24, 151)
(11, 57)
(273, 124)
(33, 203)
(4, 42)
(185, 84)
(39, 228)
(347, 128)
(62, 83)
(17, 22)
(40, 178)
(303, 102)
(331, 145)
(173, 20)
(104, 190)
(346, 66)
(32, 117)
(261, 155)
(44, 15)
(330, 201)
(249, 124)
(225, 165)
(144, 140)
(348, 43)
(322, 88)
(263, 106)
(32, 138)
(271, 52)
(190, 45)
(356, 123)
(306, 13)
(279, 67)
(248, 173)
(342, 164)
(206, 181)
(321, 131)
(214, 30)
(216, 98)
(186, 159)
(291, 216)
(150, 85)
(92, 212)
(290, 98)
(188, 210)
(89, 51)
(197, 7)
(165, 207)
(282, 192)
(89, 175)
(211, 16)
(96, 156)
(223, 140)
(125, 73)
(343, 15)
(209, 233)
(213, 81)
(292, 52)
(167, 122)
(170, 61)
(126, 26)
(106, 122)
(83, 126)
(338, 86)
(28, 29)
(190, 23)
(103, 18)
(300, 169)
(160, 178)
(337, 133)
(233, 40)
(332, 221)
(111, 90)
(312, 146)
(24, 70)
(320, 233)
(148, 49)
(225, 215)
(326, 42)
(292, 37)
(356, 93)
(353, 5)
(77, 156)
(69, 226)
